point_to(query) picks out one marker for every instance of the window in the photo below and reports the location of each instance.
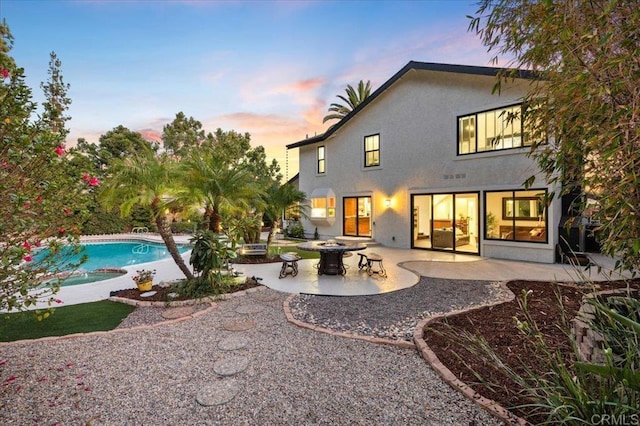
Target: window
(491, 130)
(323, 204)
(516, 215)
(319, 207)
(321, 160)
(372, 150)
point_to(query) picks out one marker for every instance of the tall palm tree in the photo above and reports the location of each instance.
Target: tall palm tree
(209, 181)
(352, 100)
(280, 198)
(145, 180)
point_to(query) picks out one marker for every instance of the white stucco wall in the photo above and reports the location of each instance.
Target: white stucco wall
(417, 122)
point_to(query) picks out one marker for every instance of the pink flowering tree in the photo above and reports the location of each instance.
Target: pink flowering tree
(41, 195)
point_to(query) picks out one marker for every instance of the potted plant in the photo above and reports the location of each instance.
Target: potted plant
(144, 279)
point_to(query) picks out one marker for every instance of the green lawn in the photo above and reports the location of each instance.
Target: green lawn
(304, 254)
(82, 318)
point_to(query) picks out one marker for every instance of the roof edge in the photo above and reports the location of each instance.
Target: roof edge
(421, 66)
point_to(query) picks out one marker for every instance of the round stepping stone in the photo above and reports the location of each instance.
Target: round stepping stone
(217, 393)
(230, 366)
(179, 312)
(233, 342)
(148, 293)
(240, 325)
(249, 309)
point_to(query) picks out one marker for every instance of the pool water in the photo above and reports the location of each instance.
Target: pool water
(84, 278)
(114, 255)
(117, 255)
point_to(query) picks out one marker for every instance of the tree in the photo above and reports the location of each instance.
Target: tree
(41, 195)
(57, 102)
(585, 97)
(352, 100)
(145, 180)
(182, 134)
(280, 198)
(120, 142)
(210, 181)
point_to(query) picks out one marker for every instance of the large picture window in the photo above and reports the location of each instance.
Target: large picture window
(492, 130)
(321, 160)
(372, 150)
(516, 215)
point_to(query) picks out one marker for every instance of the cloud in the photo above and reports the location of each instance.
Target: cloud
(151, 135)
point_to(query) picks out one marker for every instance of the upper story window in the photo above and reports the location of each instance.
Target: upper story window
(321, 169)
(491, 130)
(372, 150)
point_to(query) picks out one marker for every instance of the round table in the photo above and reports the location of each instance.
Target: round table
(331, 253)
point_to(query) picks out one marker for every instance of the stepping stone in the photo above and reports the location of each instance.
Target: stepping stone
(233, 342)
(230, 366)
(219, 392)
(148, 293)
(172, 295)
(240, 325)
(179, 312)
(249, 309)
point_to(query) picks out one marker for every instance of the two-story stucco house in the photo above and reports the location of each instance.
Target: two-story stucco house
(432, 160)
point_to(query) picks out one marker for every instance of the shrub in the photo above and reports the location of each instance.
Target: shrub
(294, 230)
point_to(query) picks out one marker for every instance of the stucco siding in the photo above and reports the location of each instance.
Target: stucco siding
(416, 119)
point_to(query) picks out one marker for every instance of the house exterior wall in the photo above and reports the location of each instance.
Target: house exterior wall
(416, 119)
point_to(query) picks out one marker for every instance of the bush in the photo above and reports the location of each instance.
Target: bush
(294, 230)
(202, 286)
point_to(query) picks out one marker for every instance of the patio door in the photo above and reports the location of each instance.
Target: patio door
(446, 222)
(357, 216)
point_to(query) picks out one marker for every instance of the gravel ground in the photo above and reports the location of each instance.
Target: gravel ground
(294, 376)
(393, 315)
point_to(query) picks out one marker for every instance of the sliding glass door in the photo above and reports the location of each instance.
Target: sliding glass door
(445, 222)
(357, 216)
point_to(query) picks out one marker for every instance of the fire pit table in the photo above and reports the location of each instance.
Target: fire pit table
(331, 253)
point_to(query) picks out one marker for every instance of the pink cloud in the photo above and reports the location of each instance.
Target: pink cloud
(151, 135)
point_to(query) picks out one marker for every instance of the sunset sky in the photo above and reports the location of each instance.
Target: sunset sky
(269, 68)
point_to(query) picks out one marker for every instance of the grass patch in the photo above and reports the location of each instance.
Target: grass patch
(82, 318)
(303, 254)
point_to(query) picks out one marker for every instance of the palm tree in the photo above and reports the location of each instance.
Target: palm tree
(145, 180)
(208, 180)
(281, 198)
(352, 100)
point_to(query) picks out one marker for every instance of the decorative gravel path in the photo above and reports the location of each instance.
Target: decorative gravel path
(166, 375)
(393, 315)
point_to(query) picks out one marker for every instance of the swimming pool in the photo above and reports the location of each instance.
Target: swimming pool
(117, 255)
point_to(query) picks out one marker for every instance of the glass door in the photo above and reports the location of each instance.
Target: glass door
(357, 216)
(445, 222)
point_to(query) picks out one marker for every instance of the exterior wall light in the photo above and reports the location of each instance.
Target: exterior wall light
(387, 203)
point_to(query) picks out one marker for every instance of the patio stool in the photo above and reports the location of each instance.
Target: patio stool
(375, 257)
(362, 263)
(289, 260)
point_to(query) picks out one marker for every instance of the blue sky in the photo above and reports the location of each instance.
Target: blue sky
(269, 68)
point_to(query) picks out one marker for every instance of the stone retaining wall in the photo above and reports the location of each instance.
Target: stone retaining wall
(589, 342)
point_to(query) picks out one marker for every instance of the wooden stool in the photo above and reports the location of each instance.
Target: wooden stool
(375, 257)
(362, 263)
(289, 260)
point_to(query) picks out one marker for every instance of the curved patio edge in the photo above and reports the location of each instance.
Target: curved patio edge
(430, 357)
(377, 340)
